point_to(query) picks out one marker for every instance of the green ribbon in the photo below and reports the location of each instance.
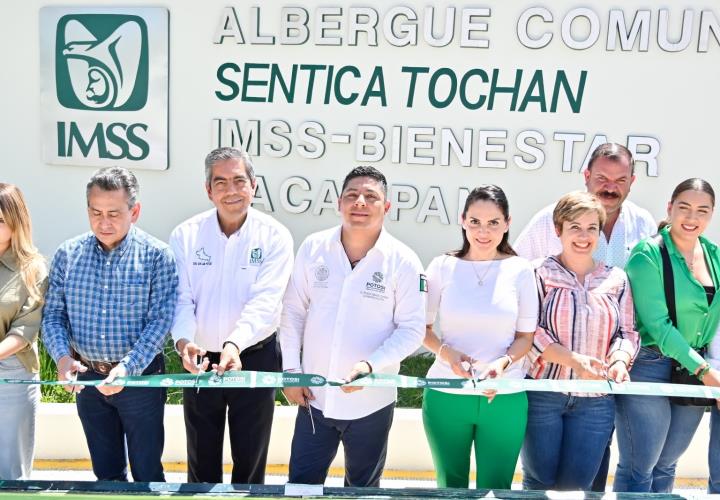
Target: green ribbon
(252, 379)
(233, 379)
(544, 385)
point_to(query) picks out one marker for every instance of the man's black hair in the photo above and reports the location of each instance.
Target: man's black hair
(366, 171)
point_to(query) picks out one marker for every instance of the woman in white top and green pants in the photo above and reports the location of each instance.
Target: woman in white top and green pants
(485, 300)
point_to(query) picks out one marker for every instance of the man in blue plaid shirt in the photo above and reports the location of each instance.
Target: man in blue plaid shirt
(109, 306)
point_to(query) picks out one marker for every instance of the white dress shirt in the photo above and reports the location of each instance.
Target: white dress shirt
(230, 287)
(539, 240)
(338, 316)
(480, 321)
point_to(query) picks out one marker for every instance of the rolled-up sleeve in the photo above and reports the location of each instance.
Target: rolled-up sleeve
(543, 335)
(626, 339)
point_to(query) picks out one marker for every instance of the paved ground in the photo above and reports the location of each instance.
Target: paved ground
(177, 477)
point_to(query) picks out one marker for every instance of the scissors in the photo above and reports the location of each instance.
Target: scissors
(198, 365)
(309, 409)
(73, 379)
(473, 376)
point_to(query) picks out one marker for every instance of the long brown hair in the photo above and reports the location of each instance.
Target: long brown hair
(31, 264)
(692, 184)
(494, 194)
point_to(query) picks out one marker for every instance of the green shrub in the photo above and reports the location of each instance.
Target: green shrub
(414, 366)
(48, 371)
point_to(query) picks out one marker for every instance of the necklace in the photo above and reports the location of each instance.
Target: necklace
(691, 261)
(481, 279)
(691, 264)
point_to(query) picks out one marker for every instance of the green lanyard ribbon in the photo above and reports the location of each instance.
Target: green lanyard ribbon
(233, 379)
(253, 379)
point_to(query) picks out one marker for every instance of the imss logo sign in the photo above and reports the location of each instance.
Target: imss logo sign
(101, 62)
(104, 89)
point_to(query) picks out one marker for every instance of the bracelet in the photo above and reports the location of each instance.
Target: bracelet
(618, 361)
(440, 351)
(368, 364)
(703, 371)
(510, 361)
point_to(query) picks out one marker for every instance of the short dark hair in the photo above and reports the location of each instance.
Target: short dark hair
(227, 153)
(612, 151)
(113, 179)
(366, 171)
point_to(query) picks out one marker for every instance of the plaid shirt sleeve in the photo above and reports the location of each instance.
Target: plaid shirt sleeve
(55, 320)
(163, 295)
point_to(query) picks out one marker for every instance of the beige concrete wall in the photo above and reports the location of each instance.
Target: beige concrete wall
(59, 436)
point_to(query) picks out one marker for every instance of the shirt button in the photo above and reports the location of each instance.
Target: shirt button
(699, 333)
(107, 263)
(103, 311)
(102, 336)
(105, 359)
(106, 287)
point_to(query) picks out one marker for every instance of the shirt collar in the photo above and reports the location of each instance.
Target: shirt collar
(122, 247)
(383, 243)
(708, 245)
(9, 260)
(599, 268)
(218, 229)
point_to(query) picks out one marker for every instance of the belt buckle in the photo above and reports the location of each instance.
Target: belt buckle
(102, 367)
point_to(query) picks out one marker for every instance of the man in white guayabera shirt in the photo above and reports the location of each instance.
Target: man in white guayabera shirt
(355, 305)
(609, 175)
(233, 265)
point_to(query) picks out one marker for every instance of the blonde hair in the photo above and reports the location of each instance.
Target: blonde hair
(573, 205)
(31, 264)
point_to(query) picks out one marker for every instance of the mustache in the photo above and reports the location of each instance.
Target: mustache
(608, 194)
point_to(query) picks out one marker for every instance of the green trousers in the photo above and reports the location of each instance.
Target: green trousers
(454, 422)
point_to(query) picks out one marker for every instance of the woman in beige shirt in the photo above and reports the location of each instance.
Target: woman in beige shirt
(23, 279)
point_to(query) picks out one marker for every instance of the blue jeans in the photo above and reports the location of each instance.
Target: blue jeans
(565, 440)
(133, 416)
(714, 452)
(652, 432)
(364, 441)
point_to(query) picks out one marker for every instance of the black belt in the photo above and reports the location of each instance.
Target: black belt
(260, 345)
(247, 350)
